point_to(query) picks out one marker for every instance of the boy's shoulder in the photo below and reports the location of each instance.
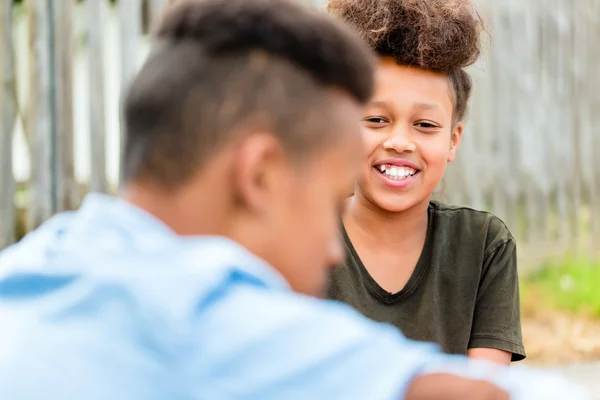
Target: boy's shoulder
(466, 223)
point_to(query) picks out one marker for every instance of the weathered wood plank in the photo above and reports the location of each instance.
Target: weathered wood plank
(512, 110)
(66, 187)
(541, 203)
(499, 79)
(530, 112)
(96, 16)
(562, 129)
(8, 111)
(130, 15)
(593, 82)
(576, 102)
(39, 117)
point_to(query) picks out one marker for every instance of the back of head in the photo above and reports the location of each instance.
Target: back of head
(437, 35)
(221, 66)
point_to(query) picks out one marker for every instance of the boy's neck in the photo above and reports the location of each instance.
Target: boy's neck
(372, 221)
(185, 213)
(201, 208)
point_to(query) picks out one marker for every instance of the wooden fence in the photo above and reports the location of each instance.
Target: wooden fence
(40, 102)
(528, 151)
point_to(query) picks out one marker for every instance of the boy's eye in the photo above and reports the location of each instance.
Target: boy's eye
(375, 120)
(426, 125)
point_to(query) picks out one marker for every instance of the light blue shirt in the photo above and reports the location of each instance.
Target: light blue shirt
(108, 303)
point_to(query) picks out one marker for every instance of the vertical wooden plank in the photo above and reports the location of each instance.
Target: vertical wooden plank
(66, 187)
(553, 129)
(561, 143)
(582, 102)
(594, 83)
(96, 15)
(130, 15)
(499, 21)
(574, 100)
(8, 111)
(482, 113)
(539, 127)
(587, 81)
(512, 111)
(542, 200)
(531, 176)
(39, 119)
(505, 192)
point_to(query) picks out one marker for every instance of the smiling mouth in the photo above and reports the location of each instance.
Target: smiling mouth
(396, 173)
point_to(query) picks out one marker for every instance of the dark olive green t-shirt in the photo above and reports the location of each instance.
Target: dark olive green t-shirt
(463, 293)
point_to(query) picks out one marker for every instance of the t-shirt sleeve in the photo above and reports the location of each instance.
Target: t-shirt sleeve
(497, 317)
(254, 346)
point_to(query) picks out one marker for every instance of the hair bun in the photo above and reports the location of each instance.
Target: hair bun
(440, 35)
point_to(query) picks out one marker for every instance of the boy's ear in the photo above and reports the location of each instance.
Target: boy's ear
(455, 140)
(258, 170)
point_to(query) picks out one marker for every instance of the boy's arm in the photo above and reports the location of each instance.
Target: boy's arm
(494, 355)
(451, 387)
(496, 331)
(257, 345)
(272, 346)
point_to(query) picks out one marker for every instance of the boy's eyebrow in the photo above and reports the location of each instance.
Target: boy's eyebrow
(423, 106)
(378, 103)
(426, 106)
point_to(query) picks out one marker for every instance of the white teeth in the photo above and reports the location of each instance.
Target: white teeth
(397, 173)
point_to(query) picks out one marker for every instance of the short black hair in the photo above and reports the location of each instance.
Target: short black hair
(219, 66)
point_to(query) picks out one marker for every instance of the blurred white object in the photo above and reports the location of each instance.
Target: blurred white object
(523, 383)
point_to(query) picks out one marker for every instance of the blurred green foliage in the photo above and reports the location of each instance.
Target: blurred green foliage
(571, 285)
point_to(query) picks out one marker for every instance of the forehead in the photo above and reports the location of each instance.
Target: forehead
(409, 86)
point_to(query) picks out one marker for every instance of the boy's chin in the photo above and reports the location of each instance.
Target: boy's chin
(396, 203)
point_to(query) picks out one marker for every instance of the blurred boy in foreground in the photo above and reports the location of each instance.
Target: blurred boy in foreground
(242, 143)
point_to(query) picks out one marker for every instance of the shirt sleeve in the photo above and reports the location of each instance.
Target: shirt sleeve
(497, 319)
(299, 348)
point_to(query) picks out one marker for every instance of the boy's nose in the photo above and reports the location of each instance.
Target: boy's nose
(400, 140)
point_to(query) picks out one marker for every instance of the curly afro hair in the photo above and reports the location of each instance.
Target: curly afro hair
(437, 35)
